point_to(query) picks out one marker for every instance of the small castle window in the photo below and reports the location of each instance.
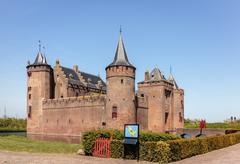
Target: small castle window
(182, 105)
(121, 81)
(103, 123)
(114, 112)
(180, 117)
(29, 96)
(29, 111)
(142, 95)
(166, 117)
(29, 89)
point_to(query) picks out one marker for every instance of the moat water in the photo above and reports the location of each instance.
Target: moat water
(13, 133)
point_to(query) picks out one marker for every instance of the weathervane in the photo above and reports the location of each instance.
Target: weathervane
(120, 29)
(39, 45)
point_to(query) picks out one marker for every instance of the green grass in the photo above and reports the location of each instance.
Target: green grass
(215, 125)
(17, 143)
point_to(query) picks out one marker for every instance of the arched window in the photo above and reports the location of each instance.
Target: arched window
(114, 112)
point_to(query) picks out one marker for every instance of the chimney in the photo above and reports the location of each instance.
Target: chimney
(147, 76)
(75, 68)
(57, 62)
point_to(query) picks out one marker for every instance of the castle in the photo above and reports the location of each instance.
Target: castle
(64, 102)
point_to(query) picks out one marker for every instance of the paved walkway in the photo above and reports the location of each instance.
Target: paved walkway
(230, 155)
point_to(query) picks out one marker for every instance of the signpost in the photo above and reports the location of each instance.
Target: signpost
(131, 139)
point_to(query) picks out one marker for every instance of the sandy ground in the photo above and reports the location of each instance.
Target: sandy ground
(230, 155)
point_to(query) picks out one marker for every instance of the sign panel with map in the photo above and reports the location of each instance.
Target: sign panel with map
(131, 131)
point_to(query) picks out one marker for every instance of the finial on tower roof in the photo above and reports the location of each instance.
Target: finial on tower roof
(120, 29)
(40, 59)
(39, 46)
(170, 70)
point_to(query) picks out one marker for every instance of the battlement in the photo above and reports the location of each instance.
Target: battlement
(36, 68)
(73, 102)
(155, 83)
(120, 71)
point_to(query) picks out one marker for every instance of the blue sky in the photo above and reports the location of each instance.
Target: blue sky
(200, 39)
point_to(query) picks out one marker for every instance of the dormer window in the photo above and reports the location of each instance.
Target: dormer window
(70, 76)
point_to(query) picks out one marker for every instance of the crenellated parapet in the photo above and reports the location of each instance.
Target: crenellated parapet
(162, 82)
(120, 71)
(73, 102)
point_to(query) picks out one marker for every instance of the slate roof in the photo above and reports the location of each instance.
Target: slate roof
(90, 79)
(173, 81)
(120, 58)
(40, 59)
(156, 75)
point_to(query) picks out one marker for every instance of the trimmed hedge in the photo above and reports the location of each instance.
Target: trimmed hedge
(153, 148)
(176, 149)
(149, 151)
(88, 138)
(186, 148)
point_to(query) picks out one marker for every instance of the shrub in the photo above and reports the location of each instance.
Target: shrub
(117, 149)
(149, 151)
(186, 148)
(152, 148)
(12, 124)
(155, 151)
(88, 138)
(150, 136)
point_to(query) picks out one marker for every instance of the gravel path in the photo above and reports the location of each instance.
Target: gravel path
(7, 157)
(230, 155)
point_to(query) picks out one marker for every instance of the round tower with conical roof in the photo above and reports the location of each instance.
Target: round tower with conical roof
(40, 86)
(120, 102)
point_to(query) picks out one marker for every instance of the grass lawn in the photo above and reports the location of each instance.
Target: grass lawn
(18, 143)
(215, 125)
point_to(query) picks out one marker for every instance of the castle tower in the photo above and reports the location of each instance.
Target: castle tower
(39, 87)
(177, 104)
(120, 103)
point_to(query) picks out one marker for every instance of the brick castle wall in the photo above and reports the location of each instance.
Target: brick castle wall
(65, 119)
